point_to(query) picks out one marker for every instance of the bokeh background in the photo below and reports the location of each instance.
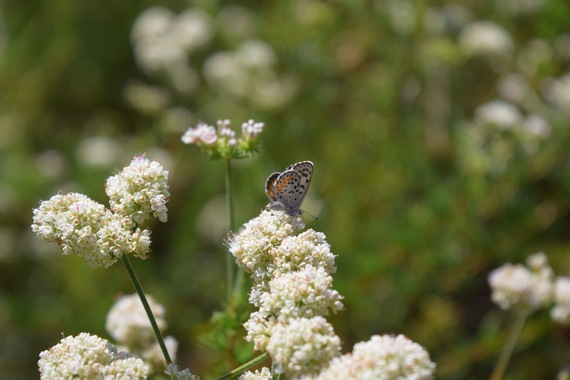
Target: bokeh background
(439, 132)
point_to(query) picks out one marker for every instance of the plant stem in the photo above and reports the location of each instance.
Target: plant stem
(146, 306)
(230, 203)
(242, 368)
(509, 346)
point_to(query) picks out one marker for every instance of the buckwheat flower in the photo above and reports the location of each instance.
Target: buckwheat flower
(499, 113)
(381, 358)
(561, 310)
(485, 37)
(517, 286)
(152, 22)
(536, 126)
(153, 356)
(88, 357)
(263, 374)
(192, 29)
(302, 346)
(251, 130)
(226, 134)
(202, 134)
(309, 248)
(259, 327)
(87, 229)
(259, 239)
(304, 293)
(139, 191)
(128, 323)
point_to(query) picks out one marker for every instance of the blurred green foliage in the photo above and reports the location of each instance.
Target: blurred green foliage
(419, 196)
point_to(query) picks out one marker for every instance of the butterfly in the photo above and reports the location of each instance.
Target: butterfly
(287, 189)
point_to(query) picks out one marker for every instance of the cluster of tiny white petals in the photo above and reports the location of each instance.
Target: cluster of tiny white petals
(485, 37)
(222, 141)
(202, 134)
(252, 129)
(259, 238)
(128, 323)
(154, 357)
(259, 327)
(292, 288)
(139, 191)
(381, 358)
(305, 293)
(523, 287)
(87, 229)
(226, 132)
(499, 113)
(117, 237)
(263, 374)
(302, 346)
(561, 310)
(88, 357)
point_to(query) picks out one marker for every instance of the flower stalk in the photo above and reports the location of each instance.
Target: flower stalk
(244, 367)
(147, 309)
(509, 346)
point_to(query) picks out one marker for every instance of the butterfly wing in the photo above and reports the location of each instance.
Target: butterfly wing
(270, 186)
(305, 171)
(289, 193)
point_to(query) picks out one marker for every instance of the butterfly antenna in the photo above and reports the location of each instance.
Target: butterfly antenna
(311, 215)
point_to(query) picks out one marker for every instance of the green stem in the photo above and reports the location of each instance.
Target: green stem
(244, 367)
(230, 203)
(146, 306)
(509, 346)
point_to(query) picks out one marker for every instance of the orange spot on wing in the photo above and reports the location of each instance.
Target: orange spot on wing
(284, 182)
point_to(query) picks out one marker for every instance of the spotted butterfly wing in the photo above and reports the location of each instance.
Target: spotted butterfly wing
(305, 170)
(287, 190)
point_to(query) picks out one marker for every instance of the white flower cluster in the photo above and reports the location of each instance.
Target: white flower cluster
(222, 141)
(292, 289)
(381, 358)
(561, 310)
(129, 326)
(526, 288)
(263, 374)
(163, 41)
(87, 356)
(499, 131)
(248, 72)
(86, 228)
(139, 191)
(101, 236)
(485, 37)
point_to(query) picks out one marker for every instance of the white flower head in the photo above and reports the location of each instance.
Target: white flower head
(202, 134)
(259, 239)
(127, 321)
(381, 358)
(154, 357)
(499, 113)
(139, 191)
(304, 293)
(259, 327)
(87, 229)
(561, 310)
(263, 374)
(485, 37)
(251, 130)
(87, 356)
(302, 346)
(521, 287)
